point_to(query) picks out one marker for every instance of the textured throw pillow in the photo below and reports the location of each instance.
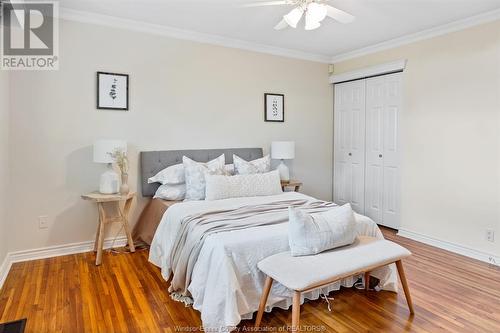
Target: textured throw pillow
(171, 192)
(224, 187)
(261, 165)
(314, 233)
(173, 175)
(195, 175)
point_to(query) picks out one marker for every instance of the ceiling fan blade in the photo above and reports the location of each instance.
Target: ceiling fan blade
(281, 25)
(339, 15)
(266, 3)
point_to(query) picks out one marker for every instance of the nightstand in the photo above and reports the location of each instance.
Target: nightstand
(110, 211)
(291, 184)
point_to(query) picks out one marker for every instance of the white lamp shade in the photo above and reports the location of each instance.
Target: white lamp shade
(294, 17)
(104, 148)
(314, 15)
(317, 11)
(311, 24)
(283, 150)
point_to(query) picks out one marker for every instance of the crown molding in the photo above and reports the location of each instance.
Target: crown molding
(156, 29)
(415, 37)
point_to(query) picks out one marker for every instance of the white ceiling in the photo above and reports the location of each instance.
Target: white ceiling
(376, 20)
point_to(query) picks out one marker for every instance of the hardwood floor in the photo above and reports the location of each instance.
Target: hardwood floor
(451, 293)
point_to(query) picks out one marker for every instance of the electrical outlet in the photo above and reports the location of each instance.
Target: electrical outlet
(43, 222)
(490, 236)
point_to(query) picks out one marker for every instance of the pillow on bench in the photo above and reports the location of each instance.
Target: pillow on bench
(314, 233)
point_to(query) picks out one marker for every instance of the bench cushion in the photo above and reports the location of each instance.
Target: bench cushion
(308, 272)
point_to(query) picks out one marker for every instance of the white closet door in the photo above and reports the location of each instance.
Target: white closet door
(392, 168)
(349, 138)
(375, 101)
(382, 187)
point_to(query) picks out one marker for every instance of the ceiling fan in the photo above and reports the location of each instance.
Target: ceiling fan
(315, 11)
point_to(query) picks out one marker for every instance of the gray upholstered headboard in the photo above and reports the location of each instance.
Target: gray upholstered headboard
(154, 161)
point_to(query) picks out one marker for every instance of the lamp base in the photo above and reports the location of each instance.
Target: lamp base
(284, 172)
(110, 182)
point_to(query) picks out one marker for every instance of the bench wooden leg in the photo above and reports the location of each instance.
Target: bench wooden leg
(296, 312)
(367, 281)
(263, 301)
(402, 277)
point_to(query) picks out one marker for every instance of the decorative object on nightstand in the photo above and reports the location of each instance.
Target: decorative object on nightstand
(294, 184)
(283, 150)
(103, 153)
(106, 204)
(121, 161)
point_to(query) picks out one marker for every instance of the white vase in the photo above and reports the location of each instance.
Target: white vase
(124, 188)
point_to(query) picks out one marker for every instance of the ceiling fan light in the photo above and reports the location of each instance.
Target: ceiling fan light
(317, 12)
(311, 25)
(294, 17)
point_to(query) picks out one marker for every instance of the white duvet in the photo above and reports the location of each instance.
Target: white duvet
(226, 284)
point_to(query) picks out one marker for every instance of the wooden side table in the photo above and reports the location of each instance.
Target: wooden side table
(107, 203)
(295, 184)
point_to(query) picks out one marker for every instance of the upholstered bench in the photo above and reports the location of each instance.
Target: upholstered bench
(306, 273)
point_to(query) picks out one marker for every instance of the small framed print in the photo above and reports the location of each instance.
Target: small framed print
(112, 91)
(274, 107)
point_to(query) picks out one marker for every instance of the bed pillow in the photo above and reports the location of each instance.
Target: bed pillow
(260, 165)
(173, 175)
(171, 192)
(314, 233)
(224, 187)
(195, 175)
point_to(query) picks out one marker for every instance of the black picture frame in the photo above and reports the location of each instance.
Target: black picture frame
(98, 102)
(266, 117)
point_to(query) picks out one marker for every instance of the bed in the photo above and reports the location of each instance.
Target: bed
(224, 283)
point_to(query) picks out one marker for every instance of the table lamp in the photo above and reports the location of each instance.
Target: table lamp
(103, 150)
(283, 150)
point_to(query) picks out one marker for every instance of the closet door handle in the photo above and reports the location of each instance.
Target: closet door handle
(350, 154)
(380, 155)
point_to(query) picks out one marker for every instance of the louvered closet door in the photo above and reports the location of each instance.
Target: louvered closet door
(382, 183)
(349, 144)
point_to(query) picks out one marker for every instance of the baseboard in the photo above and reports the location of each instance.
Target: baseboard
(4, 269)
(452, 247)
(54, 251)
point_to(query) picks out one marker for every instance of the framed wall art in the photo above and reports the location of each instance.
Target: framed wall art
(274, 107)
(112, 91)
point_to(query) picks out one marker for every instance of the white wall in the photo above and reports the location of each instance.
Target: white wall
(183, 95)
(4, 155)
(450, 129)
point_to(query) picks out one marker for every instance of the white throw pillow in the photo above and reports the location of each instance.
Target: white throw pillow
(173, 175)
(224, 187)
(260, 165)
(171, 192)
(195, 175)
(314, 233)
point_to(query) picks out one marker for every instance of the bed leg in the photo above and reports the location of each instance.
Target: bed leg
(406, 289)
(367, 281)
(263, 300)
